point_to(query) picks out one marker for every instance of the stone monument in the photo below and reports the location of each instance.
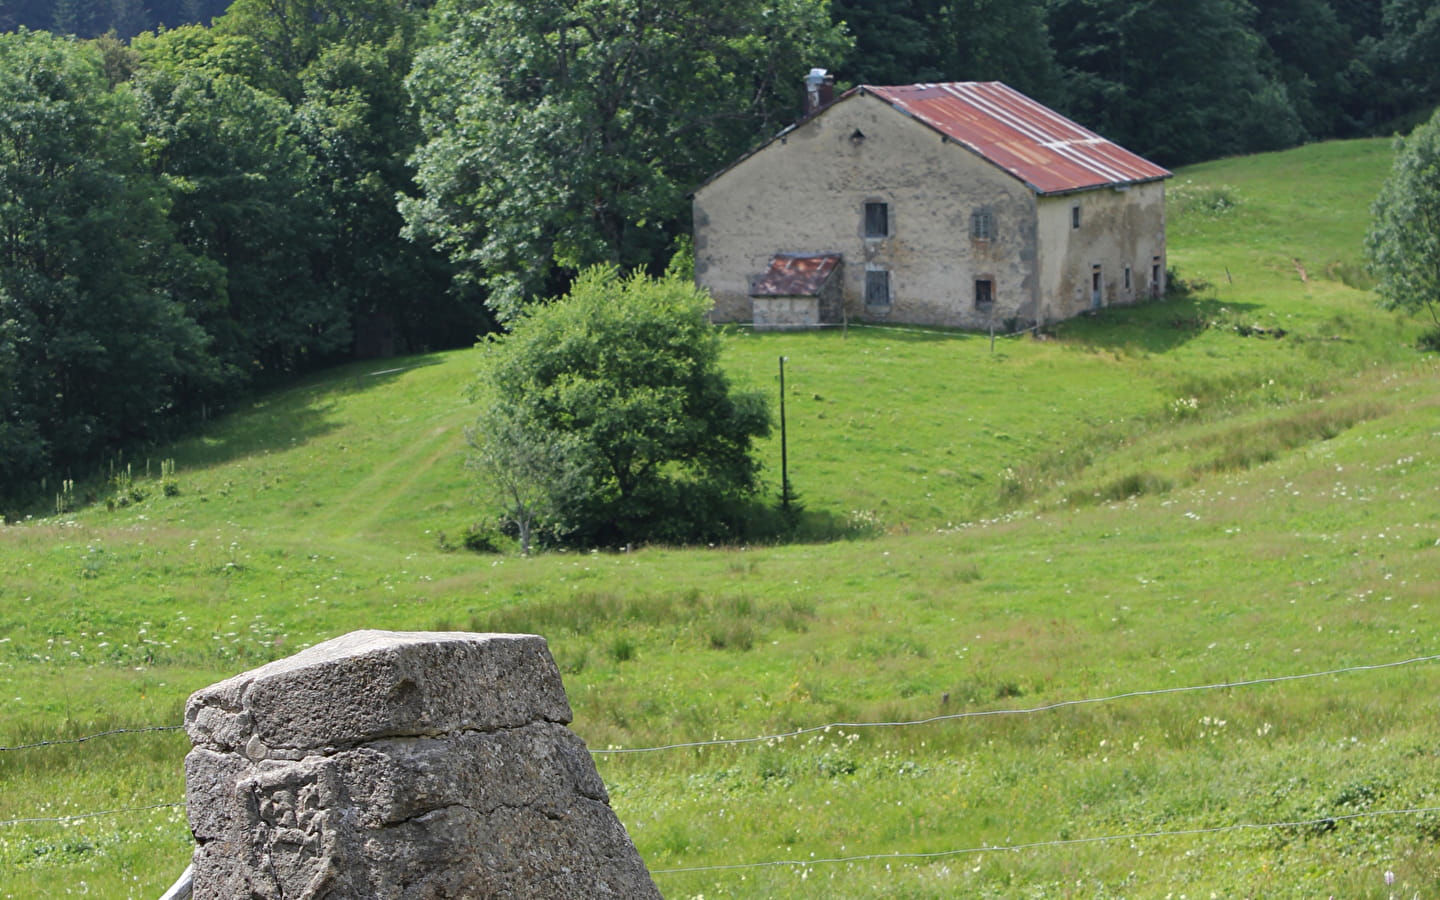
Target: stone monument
(404, 765)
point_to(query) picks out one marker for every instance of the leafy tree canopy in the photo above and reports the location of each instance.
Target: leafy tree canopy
(243, 201)
(904, 41)
(1174, 80)
(613, 402)
(292, 34)
(96, 346)
(1404, 239)
(565, 133)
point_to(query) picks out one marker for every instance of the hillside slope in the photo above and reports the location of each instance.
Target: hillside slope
(1159, 498)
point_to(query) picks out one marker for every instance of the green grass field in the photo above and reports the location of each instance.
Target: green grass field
(1157, 498)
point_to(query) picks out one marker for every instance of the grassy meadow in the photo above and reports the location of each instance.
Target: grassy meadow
(1238, 483)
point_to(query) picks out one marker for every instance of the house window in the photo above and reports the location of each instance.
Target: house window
(984, 293)
(1127, 277)
(877, 287)
(982, 225)
(877, 220)
(1075, 214)
(1157, 285)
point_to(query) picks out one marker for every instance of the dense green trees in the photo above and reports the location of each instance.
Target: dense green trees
(243, 202)
(96, 345)
(1173, 80)
(183, 216)
(1404, 240)
(91, 18)
(564, 133)
(360, 129)
(1179, 80)
(904, 41)
(609, 420)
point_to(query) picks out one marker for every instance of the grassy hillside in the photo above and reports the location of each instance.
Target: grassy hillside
(1157, 498)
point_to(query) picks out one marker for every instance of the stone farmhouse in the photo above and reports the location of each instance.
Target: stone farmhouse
(963, 204)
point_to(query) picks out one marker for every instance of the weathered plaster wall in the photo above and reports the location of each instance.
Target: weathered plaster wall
(806, 193)
(1117, 228)
(775, 313)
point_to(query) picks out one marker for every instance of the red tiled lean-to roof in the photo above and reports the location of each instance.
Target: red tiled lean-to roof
(1030, 141)
(795, 275)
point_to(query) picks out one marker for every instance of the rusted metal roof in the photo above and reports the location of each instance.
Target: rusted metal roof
(1032, 142)
(795, 275)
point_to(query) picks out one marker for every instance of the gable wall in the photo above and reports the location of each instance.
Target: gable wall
(806, 194)
(1117, 228)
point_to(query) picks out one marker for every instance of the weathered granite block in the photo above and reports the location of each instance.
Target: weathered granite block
(401, 765)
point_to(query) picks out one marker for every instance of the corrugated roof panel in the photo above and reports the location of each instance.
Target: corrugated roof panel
(795, 275)
(1032, 142)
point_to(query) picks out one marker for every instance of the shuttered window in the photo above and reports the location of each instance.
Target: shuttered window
(982, 225)
(877, 220)
(877, 287)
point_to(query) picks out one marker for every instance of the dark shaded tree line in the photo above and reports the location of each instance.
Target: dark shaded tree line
(92, 18)
(198, 212)
(1175, 80)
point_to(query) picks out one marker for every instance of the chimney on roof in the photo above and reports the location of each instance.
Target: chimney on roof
(819, 91)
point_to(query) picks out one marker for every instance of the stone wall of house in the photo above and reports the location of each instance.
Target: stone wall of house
(781, 313)
(806, 193)
(404, 766)
(1119, 230)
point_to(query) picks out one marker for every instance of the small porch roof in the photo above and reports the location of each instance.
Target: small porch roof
(795, 275)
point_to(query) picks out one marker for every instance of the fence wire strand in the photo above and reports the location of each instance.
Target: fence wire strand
(1048, 707)
(1034, 845)
(89, 815)
(90, 737)
(930, 720)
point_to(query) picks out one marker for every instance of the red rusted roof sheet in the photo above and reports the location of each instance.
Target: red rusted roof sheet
(795, 275)
(1032, 142)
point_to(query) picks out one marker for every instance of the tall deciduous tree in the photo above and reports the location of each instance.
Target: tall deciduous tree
(357, 123)
(96, 346)
(618, 387)
(1403, 243)
(1000, 40)
(562, 133)
(1175, 80)
(1305, 43)
(243, 201)
(896, 41)
(905, 41)
(292, 34)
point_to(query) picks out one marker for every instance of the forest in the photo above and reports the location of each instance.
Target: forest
(196, 200)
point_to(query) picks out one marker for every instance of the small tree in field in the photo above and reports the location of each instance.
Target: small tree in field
(1404, 240)
(526, 466)
(610, 420)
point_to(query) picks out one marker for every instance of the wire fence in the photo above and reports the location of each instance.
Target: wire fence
(907, 723)
(1327, 821)
(1039, 845)
(57, 742)
(1030, 710)
(75, 817)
